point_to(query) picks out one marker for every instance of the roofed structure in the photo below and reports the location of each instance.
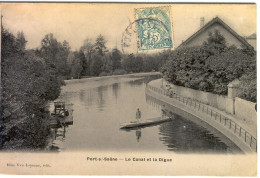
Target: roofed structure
(232, 38)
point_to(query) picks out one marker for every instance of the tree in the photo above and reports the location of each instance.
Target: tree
(88, 48)
(249, 81)
(100, 45)
(49, 48)
(216, 43)
(152, 63)
(116, 59)
(55, 54)
(82, 61)
(9, 45)
(226, 67)
(27, 85)
(76, 66)
(249, 86)
(96, 65)
(127, 62)
(107, 63)
(132, 63)
(21, 42)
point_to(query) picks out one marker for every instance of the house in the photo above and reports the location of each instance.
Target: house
(251, 40)
(232, 38)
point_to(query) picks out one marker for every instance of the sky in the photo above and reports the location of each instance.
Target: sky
(75, 22)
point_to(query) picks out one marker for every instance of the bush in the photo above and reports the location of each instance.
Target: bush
(249, 86)
(195, 68)
(119, 72)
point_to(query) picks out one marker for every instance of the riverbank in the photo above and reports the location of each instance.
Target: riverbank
(143, 74)
(240, 133)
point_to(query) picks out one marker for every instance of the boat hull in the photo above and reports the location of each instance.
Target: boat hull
(148, 122)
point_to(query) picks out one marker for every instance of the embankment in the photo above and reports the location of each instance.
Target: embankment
(237, 132)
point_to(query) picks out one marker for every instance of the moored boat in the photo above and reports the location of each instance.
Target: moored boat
(143, 123)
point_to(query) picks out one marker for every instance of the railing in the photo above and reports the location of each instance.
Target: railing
(218, 117)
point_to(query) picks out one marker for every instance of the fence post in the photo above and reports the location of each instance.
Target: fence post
(240, 132)
(235, 128)
(251, 140)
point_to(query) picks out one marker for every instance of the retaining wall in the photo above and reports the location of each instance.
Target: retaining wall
(238, 107)
(245, 110)
(223, 123)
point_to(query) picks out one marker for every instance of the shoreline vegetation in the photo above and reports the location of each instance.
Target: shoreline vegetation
(33, 77)
(212, 66)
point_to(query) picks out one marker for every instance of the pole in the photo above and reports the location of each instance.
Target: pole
(1, 21)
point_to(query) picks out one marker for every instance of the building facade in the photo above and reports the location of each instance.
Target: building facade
(232, 38)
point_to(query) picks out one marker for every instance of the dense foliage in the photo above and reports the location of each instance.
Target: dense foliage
(28, 82)
(94, 59)
(212, 66)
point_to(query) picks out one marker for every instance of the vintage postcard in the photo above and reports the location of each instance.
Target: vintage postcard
(128, 89)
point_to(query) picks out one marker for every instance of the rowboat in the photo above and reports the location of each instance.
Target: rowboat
(143, 123)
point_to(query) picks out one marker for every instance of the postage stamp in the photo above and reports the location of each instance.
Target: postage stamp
(154, 28)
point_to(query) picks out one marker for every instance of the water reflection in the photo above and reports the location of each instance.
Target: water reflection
(183, 135)
(115, 88)
(58, 134)
(100, 107)
(138, 134)
(136, 82)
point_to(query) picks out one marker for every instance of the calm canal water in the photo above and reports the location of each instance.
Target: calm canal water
(100, 105)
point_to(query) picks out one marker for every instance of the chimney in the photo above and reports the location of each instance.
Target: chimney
(201, 22)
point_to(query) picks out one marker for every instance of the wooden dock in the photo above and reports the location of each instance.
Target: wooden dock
(62, 115)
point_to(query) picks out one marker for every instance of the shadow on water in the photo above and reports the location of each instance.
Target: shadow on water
(138, 132)
(184, 135)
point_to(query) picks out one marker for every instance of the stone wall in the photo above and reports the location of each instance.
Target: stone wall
(217, 101)
(231, 104)
(245, 110)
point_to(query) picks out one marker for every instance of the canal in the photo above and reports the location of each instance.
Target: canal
(101, 104)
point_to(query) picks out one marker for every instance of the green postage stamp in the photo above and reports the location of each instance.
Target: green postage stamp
(154, 28)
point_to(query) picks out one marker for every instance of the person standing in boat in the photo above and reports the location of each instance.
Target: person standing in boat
(138, 115)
